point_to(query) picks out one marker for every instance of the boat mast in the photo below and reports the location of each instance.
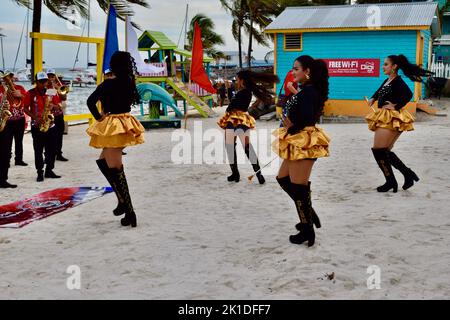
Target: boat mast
(185, 26)
(88, 31)
(27, 38)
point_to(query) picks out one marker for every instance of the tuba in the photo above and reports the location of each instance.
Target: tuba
(5, 114)
(47, 117)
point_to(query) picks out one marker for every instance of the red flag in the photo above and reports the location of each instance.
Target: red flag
(198, 73)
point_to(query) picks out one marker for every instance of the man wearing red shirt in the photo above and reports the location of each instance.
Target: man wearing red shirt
(34, 107)
(17, 121)
(5, 143)
(58, 113)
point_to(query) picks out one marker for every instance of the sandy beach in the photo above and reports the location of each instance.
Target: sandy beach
(200, 237)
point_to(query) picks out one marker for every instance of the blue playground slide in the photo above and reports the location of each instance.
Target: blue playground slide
(153, 92)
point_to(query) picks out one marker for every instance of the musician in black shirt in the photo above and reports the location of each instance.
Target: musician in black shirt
(116, 128)
(391, 118)
(237, 121)
(300, 142)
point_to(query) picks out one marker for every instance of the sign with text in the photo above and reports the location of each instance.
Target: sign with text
(353, 67)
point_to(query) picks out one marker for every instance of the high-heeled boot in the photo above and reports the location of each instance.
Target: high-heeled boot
(103, 166)
(410, 176)
(301, 193)
(285, 184)
(251, 155)
(383, 160)
(232, 158)
(119, 178)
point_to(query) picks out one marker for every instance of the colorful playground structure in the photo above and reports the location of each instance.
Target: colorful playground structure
(161, 90)
(163, 53)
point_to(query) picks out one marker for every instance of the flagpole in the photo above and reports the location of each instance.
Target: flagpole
(190, 74)
(126, 33)
(104, 37)
(99, 104)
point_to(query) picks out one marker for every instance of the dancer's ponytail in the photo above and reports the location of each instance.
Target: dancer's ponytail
(255, 81)
(318, 77)
(320, 80)
(411, 70)
(123, 66)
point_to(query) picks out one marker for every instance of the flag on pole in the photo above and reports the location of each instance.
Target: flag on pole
(111, 40)
(198, 73)
(133, 49)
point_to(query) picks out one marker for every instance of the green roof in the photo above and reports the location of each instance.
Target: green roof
(189, 55)
(148, 38)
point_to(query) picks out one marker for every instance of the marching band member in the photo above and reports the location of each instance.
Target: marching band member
(391, 119)
(6, 138)
(300, 142)
(116, 128)
(58, 112)
(17, 121)
(38, 105)
(237, 121)
(109, 74)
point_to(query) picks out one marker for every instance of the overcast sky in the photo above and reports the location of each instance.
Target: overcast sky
(164, 15)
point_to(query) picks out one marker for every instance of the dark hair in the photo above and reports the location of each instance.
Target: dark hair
(411, 70)
(255, 81)
(318, 77)
(124, 68)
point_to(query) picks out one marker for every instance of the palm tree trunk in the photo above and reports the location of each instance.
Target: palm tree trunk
(250, 39)
(240, 46)
(37, 14)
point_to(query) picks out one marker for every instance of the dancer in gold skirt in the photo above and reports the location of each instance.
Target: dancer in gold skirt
(300, 142)
(116, 128)
(391, 118)
(237, 121)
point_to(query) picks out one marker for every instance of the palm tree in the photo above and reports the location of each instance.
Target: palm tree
(210, 38)
(59, 8)
(253, 16)
(238, 11)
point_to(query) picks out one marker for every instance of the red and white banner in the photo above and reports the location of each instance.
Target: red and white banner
(353, 67)
(23, 212)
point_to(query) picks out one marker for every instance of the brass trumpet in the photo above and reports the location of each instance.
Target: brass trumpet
(62, 89)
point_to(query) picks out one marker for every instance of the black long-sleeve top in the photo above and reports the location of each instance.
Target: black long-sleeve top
(397, 92)
(116, 95)
(240, 101)
(302, 108)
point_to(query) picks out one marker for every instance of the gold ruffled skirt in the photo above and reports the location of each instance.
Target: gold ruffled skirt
(310, 143)
(237, 118)
(390, 119)
(116, 131)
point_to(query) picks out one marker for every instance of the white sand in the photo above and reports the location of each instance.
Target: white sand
(200, 237)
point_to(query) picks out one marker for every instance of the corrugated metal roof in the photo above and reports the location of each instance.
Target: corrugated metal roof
(355, 16)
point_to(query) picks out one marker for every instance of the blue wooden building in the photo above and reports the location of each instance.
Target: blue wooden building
(441, 48)
(354, 40)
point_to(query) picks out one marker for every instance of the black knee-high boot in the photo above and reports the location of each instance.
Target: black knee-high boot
(382, 157)
(232, 158)
(120, 181)
(301, 194)
(103, 166)
(251, 155)
(409, 175)
(285, 184)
